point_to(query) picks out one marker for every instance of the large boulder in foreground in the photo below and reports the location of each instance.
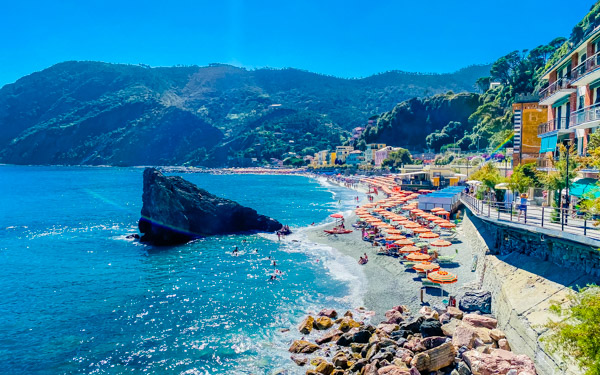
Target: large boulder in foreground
(176, 211)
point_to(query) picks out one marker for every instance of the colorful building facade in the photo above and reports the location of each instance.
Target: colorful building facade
(572, 98)
(528, 116)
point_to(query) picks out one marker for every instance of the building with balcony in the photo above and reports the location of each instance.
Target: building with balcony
(528, 117)
(370, 151)
(320, 158)
(355, 158)
(342, 152)
(572, 97)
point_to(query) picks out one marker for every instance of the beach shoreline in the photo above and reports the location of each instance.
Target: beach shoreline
(388, 283)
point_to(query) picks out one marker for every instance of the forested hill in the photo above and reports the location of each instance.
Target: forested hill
(423, 122)
(99, 113)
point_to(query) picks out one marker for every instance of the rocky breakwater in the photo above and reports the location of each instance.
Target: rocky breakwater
(433, 342)
(176, 211)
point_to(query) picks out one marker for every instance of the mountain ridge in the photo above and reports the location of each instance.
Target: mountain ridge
(102, 113)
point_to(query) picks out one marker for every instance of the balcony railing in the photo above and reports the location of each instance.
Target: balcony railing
(560, 84)
(589, 65)
(552, 125)
(585, 115)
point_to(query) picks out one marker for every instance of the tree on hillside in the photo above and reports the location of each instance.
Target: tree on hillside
(483, 84)
(576, 335)
(396, 159)
(453, 130)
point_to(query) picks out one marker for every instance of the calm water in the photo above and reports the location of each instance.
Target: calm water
(77, 297)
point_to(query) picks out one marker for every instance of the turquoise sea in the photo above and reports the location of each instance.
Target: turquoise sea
(78, 297)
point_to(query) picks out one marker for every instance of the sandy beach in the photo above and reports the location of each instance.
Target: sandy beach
(388, 282)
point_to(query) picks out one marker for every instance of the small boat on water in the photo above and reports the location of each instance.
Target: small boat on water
(338, 230)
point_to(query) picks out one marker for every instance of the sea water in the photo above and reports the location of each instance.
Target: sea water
(79, 297)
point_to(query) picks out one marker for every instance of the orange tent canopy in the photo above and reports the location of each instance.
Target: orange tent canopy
(404, 242)
(441, 243)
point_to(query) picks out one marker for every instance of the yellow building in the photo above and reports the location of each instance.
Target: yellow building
(528, 118)
(332, 158)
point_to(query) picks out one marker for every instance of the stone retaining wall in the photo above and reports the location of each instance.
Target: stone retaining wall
(522, 273)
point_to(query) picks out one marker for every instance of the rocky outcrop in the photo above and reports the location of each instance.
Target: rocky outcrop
(354, 346)
(176, 211)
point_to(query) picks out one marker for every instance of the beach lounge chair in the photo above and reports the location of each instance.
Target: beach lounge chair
(429, 284)
(446, 258)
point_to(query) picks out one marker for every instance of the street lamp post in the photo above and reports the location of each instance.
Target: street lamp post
(568, 148)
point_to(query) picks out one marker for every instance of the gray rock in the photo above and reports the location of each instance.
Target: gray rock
(345, 339)
(431, 327)
(176, 211)
(476, 300)
(463, 369)
(412, 324)
(361, 337)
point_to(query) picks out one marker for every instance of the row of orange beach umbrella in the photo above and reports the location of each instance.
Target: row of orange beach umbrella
(437, 216)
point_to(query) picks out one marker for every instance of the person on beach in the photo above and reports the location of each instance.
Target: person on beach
(278, 236)
(366, 257)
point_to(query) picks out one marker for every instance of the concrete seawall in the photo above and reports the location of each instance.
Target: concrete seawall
(524, 280)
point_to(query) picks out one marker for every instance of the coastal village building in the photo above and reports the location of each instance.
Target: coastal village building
(528, 117)
(355, 158)
(382, 154)
(321, 158)
(332, 158)
(572, 97)
(370, 151)
(342, 152)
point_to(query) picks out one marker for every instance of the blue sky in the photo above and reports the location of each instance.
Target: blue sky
(343, 38)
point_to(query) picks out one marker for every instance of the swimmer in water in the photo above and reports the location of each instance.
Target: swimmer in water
(235, 251)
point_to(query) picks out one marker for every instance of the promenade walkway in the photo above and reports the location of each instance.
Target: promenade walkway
(562, 223)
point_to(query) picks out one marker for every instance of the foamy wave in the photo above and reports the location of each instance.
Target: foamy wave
(339, 266)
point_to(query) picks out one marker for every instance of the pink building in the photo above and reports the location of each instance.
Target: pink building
(382, 154)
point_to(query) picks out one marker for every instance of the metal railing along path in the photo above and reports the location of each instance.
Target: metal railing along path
(559, 219)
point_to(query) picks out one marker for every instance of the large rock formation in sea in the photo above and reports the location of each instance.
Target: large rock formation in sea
(176, 211)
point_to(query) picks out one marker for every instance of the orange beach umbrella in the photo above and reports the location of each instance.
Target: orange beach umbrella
(447, 225)
(409, 249)
(441, 243)
(426, 267)
(404, 242)
(442, 277)
(421, 230)
(429, 235)
(416, 257)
